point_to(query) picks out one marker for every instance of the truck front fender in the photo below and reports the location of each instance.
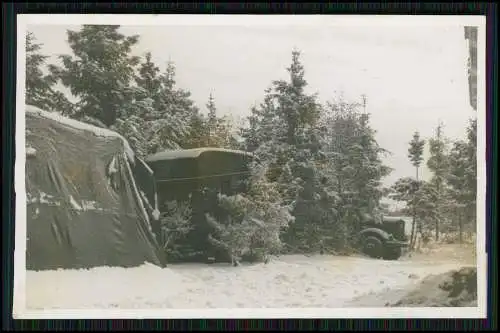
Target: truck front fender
(376, 232)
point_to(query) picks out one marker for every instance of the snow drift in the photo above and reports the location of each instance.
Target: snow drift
(455, 288)
(448, 286)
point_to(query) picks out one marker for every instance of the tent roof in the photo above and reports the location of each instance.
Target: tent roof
(97, 131)
(191, 153)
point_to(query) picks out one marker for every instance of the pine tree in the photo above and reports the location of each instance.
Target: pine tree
(471, 170)
(175, 117)
(197, 137)
(285, 115)
(370, 169)
(212, 117)
(148, 78)
(294, 152)
(427, 207)
(462, 179)
(325, 161)
(421, 200)
(438, 164)
(458, 185)
(141, 103)
(294, 106)
(177, 106)
(216, 136)
(232, 130)
(218, 130)
(415, 154)
(249, 224)
(176, 223)
(353, 167)
(404, 190)
(166, 108)
(263, 136)
(100, 72)
(39, 87)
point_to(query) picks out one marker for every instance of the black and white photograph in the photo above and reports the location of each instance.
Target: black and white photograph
(250, 166)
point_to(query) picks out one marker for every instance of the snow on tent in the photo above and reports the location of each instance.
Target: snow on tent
(183, 175)
(84, 205)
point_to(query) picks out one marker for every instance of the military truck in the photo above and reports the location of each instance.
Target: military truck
(196, 176)
(383, 238)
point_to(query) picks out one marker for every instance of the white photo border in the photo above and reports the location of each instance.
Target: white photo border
(19, 305)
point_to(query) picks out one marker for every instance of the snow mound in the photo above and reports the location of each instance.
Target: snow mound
(456, 288)
(112, 167)
(104, 287)
(30, 151)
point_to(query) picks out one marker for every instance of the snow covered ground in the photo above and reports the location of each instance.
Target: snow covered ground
(288, 281)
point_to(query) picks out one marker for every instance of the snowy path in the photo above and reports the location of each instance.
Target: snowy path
(288, 281)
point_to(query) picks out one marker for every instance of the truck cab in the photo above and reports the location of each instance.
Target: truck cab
(383, 238)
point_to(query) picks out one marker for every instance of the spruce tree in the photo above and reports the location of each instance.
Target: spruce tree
(100, 71)
(148, 78)
(37, 85)
(212, 116)
(354, 167)
(471, 170)
(415, 154)
(438, 164)
(325, 161)
(40, 90)
(164, 121)
(458, 184)
(462, 179)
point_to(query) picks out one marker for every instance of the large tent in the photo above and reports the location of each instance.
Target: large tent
(90, 201)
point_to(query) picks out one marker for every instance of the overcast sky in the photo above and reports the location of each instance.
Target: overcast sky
(412, 76)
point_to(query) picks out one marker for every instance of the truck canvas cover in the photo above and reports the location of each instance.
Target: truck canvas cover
(180, 172)
(183, 175)
(84, 205)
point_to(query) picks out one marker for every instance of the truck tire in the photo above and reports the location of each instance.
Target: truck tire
(373, 246)
(392, 253)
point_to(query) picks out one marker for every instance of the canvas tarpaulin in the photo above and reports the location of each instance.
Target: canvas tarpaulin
(84, 206)
(181, 172)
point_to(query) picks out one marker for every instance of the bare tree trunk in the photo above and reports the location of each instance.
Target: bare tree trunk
(439, 211)
(414, 222)
(437, 229)
(460, 227)
(412, 235)
(415, 236)
(419, 231)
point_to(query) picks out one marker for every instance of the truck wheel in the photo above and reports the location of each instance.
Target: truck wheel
(393, 253)
(373, 247)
